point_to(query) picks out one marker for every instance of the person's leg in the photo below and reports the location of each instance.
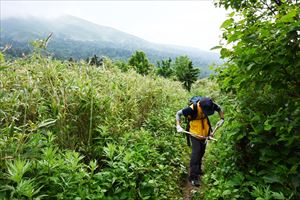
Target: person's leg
(195, 159)
(202, 151)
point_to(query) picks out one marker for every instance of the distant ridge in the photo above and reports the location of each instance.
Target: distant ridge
(78, 38)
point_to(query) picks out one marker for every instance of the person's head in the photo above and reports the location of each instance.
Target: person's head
(207, 106)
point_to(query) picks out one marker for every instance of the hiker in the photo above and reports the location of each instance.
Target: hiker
(198, 125)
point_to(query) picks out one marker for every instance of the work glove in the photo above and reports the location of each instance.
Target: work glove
(220, 123)
(179, 129)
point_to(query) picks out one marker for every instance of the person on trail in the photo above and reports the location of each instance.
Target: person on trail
(198, 124)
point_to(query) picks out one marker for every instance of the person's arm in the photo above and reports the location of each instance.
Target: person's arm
(220, 122)
(221, 114)
(185, 112)
(219, 110)
(178, 115)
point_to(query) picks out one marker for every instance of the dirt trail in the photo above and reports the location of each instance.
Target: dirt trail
(189, 190)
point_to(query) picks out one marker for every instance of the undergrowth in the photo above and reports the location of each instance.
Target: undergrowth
(74, 131)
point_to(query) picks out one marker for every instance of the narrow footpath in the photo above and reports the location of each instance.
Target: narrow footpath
(189, 190)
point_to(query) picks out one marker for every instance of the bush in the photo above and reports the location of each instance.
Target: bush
(258, 157)
(72, 131)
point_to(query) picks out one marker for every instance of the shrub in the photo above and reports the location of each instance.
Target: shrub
(80, 132)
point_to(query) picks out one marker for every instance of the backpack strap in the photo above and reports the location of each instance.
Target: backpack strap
(195, 110)
(210, 129)
(195, 113)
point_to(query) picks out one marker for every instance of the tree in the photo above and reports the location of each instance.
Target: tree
(164, 68)
(261, 80)
(123, 66)
(140, 62)
(95, 60)
(185, 72)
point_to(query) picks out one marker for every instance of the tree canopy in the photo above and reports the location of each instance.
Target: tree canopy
(140, 62)
(185, 72)
(164, 68)
(261, 81)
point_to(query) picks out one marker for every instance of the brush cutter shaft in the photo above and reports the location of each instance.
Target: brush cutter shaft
(214, 131)
(199, 136)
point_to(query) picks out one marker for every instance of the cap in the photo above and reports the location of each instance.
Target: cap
(207, 106)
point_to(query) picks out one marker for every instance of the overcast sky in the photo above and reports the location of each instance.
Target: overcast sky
(185, 23)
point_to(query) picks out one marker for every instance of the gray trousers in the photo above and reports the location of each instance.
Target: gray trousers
(198, 150)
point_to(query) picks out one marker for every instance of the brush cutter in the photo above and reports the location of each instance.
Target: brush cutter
(203, 137)
(216, 128)
(199, 136)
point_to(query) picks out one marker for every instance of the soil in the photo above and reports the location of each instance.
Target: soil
(189, 190)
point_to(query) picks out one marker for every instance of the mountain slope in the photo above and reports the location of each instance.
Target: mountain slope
(78, 38)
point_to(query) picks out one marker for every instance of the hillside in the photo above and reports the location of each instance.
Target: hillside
(79, 39)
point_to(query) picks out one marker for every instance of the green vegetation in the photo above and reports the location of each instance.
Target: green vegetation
(257, 156)
(140, 63)
(94, 61)
(182, 69)
(104, 129)
(164, 68)
(185, 72)
(74, 131)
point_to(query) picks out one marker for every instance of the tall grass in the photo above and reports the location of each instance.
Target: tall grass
(111, 133)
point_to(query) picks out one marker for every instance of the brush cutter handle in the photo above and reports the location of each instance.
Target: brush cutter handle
(199, 136)
(218, 125)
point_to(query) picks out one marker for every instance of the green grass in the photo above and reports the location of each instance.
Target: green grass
(73, 131)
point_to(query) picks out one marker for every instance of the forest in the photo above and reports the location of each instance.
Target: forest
(105, 129)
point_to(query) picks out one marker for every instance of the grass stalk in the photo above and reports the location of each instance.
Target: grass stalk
(91, 112)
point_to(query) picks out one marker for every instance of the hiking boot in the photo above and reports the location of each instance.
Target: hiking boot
(195, 182)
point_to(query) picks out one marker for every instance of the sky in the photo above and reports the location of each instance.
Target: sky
(185, 23)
